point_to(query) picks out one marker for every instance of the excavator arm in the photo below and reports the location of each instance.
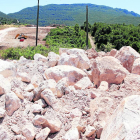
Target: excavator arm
(17, 36)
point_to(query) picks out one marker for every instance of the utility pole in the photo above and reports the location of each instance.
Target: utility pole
(37, 23)
(87, 27)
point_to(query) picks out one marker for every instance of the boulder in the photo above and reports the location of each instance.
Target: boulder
(12, 103)
(84, 62)
(39, 57)
(52, 59)
(91, 53)
(71, 60)
(136, 67)
(43, 134)
(72, 134)
(83, 83)
(127, 55)
(124, 119)
(39, 120)
(15, 129)
(28, 132)
(108, 69)
(57, 73)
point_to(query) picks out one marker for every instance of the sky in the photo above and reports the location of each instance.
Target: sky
(11, 6)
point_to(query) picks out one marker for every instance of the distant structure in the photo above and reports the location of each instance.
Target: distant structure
(30, 25)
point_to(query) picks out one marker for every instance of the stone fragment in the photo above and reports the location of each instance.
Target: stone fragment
(29, 96)
(113, 52)
(72, 134)
(91, 53)
(12, 103)
(90, 131)
(28, 132)
(62, 50)
(39, 57)
(49, 97)
(36, 108)
(29, 88)
(58, 72)
(15, 129)
(24, 77)
(127, 55)
(103, 86)
(136, 67)
(52, 59)
(108, 69)
(41, 102)
(43, 134)
(83, 83)
(2, 113)
(4, 135)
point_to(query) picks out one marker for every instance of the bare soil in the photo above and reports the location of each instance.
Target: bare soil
(7, 36)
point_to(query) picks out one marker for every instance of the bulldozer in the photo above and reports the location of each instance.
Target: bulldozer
(20, 36)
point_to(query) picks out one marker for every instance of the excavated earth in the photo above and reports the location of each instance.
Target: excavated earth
(7, 36)
(76, 95)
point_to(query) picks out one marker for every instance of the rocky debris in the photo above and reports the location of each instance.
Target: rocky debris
(108, 69)
(136, 67)
(57, 73)
(127, 55)
(43, 134)
(72, 134)
(52, 59)
(2, 113)
(124, 119)
(39, 57)
(28, 132)
(91, 53)
(83, 83)
(68, 102)
(12, 103)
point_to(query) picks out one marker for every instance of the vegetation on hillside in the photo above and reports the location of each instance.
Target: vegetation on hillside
(67, 37)
(71, 14)
(108, 36)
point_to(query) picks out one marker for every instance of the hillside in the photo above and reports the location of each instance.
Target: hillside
(70, 14)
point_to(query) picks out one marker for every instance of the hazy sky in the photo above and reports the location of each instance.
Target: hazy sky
(11, 6)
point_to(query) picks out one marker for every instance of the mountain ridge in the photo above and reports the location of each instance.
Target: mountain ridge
(70, 14)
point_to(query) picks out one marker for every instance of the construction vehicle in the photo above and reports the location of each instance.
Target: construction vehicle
(21, 36)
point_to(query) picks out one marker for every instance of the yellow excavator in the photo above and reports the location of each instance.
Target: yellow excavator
(21, 36)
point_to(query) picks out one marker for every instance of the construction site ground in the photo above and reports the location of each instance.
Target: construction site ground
(7, 36)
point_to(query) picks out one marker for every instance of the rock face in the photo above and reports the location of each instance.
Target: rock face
(127, 55)
(12, 103)
(124, 119)
(108, 69)
(57, 73)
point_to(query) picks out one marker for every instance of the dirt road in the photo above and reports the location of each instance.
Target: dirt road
(7, 36)
(91, 41)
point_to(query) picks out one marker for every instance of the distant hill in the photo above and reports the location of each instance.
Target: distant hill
(70, 14)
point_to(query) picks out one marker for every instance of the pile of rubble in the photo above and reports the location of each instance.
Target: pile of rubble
(75, 95)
